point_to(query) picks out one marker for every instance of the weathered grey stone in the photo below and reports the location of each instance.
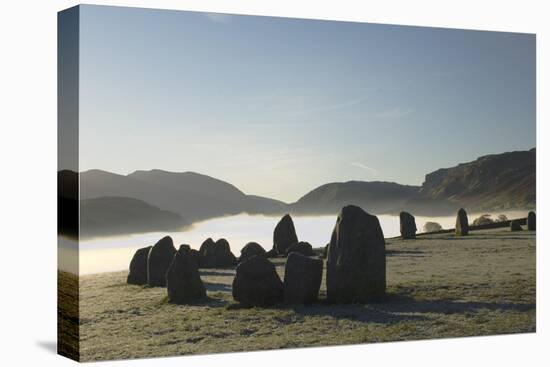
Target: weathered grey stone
(461, 227)
(284, 235)
(303, 248)
(356, 261)
(325, 251)
(158, 261)
(407, 226)
(183, 281)
(302, 279)
(251, 249)
(257, 283)
(218, 255)
(138, 267)
(531, 221)
(195, 254)
(208, 243)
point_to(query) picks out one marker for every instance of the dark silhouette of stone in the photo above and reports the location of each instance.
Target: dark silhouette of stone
(356, 261)
(138, 267)
(159, 259)
(183, 281)
(257, 283)
(208, 243)
(461, 227)
(284, 235)
(217, 255)
(303, 248)
(302, 279)
(531, 221)
(325, 251)
(195, 254)
(271, 254)
(407, 226)
(515, 226)
(251, 249)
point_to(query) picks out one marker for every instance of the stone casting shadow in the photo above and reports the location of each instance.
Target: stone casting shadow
(395, 308)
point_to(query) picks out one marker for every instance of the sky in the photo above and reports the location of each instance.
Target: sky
(278, 106)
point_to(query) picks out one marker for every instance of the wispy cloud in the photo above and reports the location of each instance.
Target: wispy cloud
(373, 171)
(396, 113)
(336, 106)
(219, 17)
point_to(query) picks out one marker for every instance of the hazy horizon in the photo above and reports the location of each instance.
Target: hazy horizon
(279, 106)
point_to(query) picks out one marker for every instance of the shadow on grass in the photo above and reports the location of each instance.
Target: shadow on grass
(394, 308)
(523, 235)
(357, 312)
(450, 306)
(405, 253)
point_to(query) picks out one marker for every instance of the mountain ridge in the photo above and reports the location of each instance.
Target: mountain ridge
(491, 182)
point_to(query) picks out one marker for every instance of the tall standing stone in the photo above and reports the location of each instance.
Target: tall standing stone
(284, 235)
(303, 277)
(461, 227)
(217, 255)
(183, 282)
(407, 226)
(257, 283)
(158, 261)
(356, 261)
(138, 267)
(531, 221)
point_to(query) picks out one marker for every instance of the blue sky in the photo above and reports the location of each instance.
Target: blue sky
(280, 106)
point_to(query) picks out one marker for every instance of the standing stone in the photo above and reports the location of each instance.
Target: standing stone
(325, 251)
(303, 248)
(183, 281)
(515, 226)
(302, 279)
(158, 261)
(195, 255)
(218, 255)
(461, 227)
(531, 221)
(407, 226)
(251, 249)
(257, 283)
(284, 235)
(207, 244)
(138, 267)
(356, 261)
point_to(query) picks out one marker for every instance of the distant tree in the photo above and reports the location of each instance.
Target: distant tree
(484, 219)
(432, 227)
(501, 218)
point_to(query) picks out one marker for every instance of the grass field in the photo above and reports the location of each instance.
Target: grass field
(439, 286)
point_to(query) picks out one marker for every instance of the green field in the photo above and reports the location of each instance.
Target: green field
(439, 286)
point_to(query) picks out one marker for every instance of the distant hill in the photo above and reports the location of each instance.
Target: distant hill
(157, 200)
(193, 196)
(377, 197)
(119, 215)
(496, 181)
(492, 182)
